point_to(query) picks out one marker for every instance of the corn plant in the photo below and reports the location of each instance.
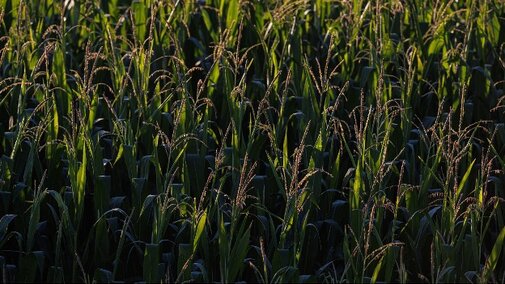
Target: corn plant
(257, 141)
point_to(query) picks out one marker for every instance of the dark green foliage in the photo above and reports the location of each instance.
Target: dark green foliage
(259, 141)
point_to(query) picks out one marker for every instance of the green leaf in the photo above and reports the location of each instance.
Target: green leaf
(139, 9)
(493, 29)
(183, 257)
(285, 150)
(119, 153)
(493, 258)
(436, 45)
(232, 13)
(199, 230)
(151, 262)
(463, 181)
(281, 259)
(4, 224)
(102, 248)
(34, 220)
(223, 247)
(238, 255)
(81, 183)
(357, 187)
(92, 112)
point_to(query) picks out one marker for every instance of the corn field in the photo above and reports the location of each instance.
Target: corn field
(252, 141)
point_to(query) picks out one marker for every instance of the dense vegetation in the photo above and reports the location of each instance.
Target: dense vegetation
(244, 140)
